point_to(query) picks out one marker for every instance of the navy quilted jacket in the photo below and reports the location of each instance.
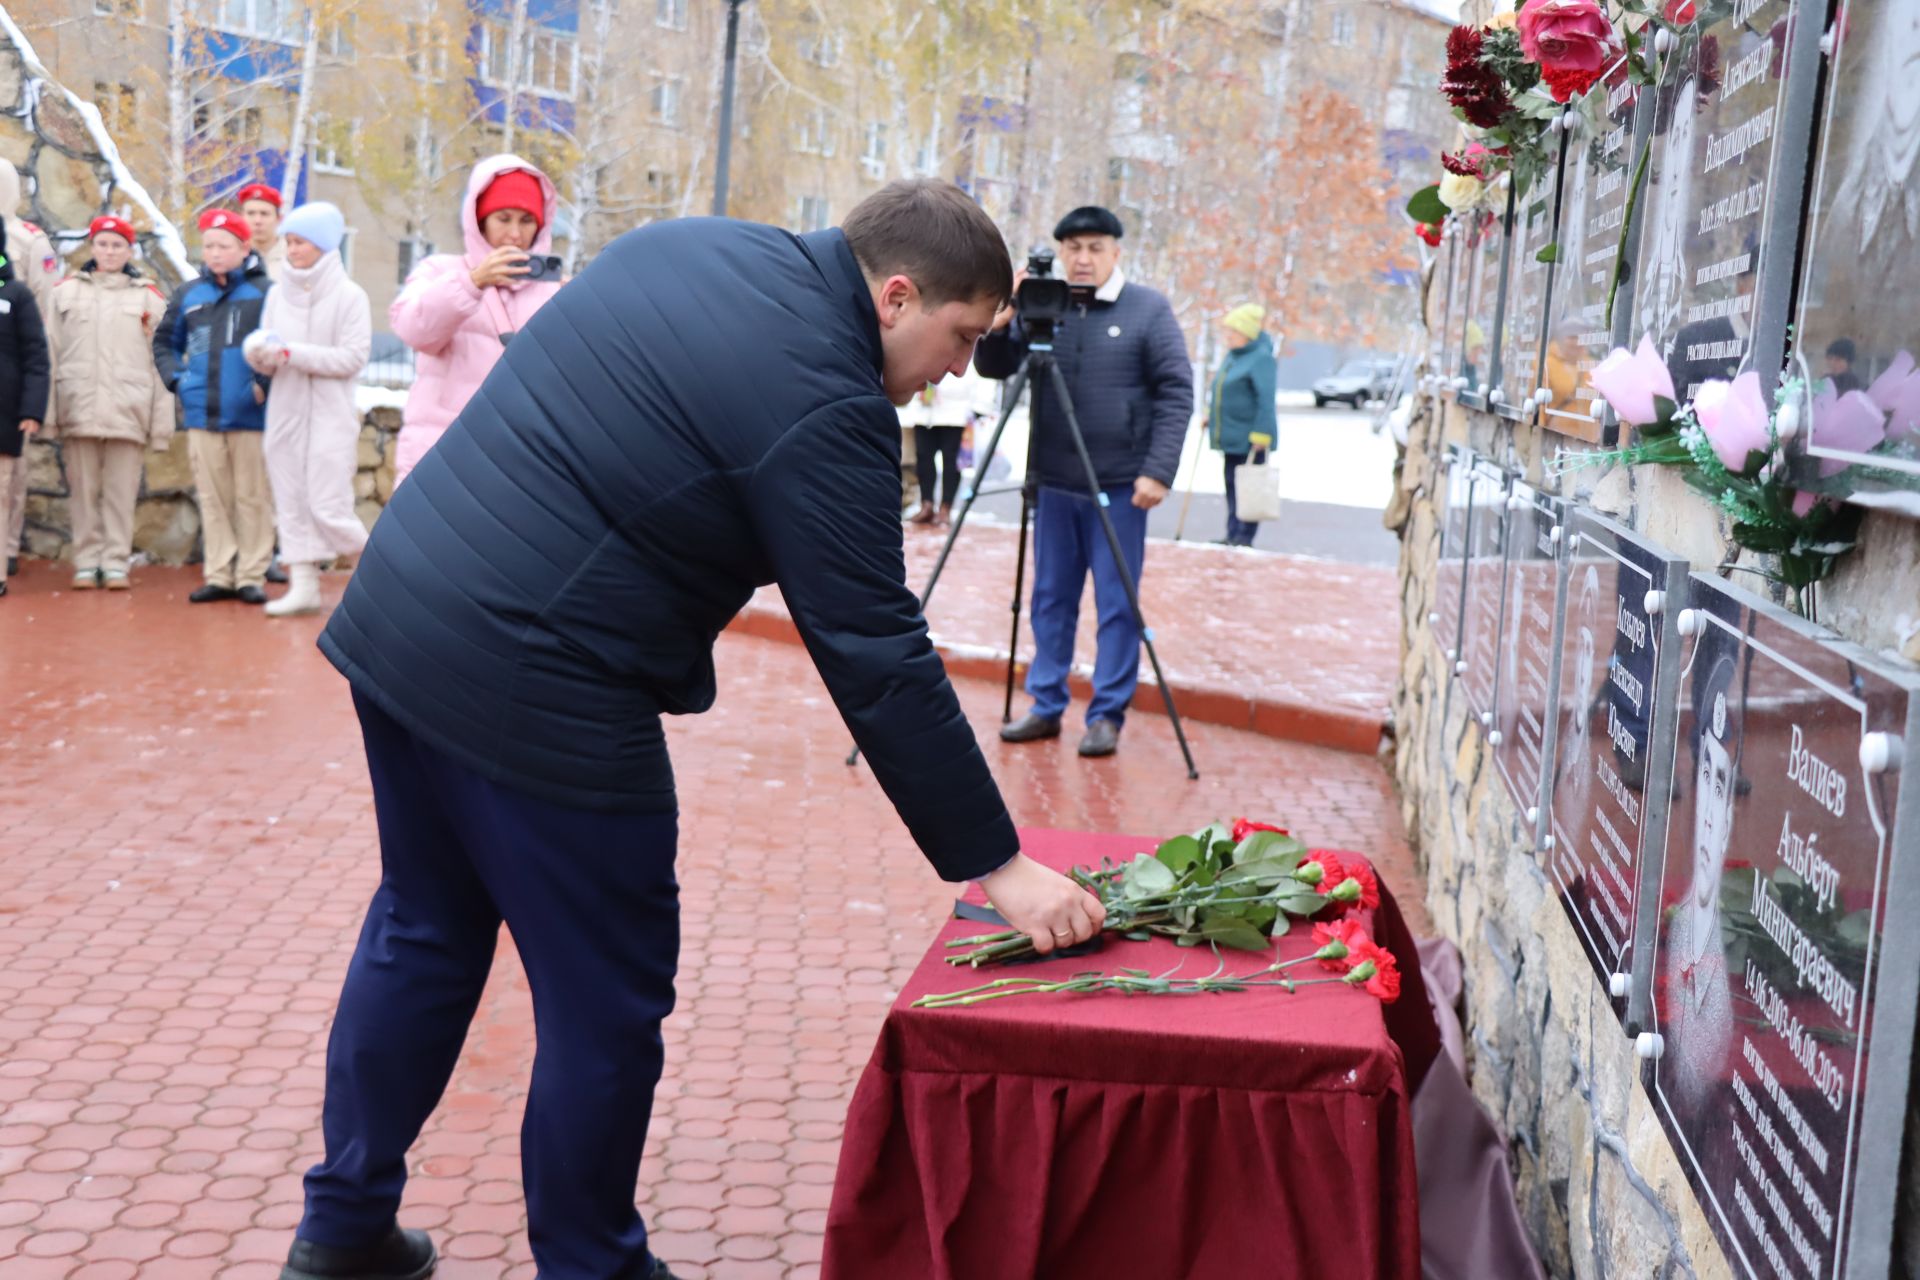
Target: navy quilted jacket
(700, 413)
(1126, 367)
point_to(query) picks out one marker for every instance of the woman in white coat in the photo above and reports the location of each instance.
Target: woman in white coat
(313, 340)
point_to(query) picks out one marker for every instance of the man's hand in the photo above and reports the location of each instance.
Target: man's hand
(1004, 316)
(1148, 493)
(29, 426)
(1043, 904)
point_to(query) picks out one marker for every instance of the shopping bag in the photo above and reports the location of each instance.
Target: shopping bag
(1256, 489)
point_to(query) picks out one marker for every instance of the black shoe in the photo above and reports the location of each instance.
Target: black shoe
(1029, 728)
(13, 566)
(404, 1255)
(250, 595)
(210, 593)
(276, 575)
(660, 1272)
(3, 586)
(1102, 739)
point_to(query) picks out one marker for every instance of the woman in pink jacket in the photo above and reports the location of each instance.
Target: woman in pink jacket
(458, 310)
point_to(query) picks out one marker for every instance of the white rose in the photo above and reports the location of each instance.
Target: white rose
(1460, 191)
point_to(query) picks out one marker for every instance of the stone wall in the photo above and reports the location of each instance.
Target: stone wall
(1599, 1186)
(166, 527)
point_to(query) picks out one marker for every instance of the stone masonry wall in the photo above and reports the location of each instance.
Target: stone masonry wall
(1599, 1186)
(166, 527)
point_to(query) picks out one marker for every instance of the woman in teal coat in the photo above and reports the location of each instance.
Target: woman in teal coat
(1242, 402)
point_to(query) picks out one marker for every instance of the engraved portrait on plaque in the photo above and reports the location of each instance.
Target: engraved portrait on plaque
(1611, 749)
(1484, 244)
(1857, 329)
(1528, 282)
(1593, 212)
(1717, 108)
(1775, 968)
(1528, 649)
(1481, 634)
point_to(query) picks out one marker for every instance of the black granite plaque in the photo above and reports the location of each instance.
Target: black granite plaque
(1529, 649)
(1439, 295)
(1593, 210)
(1612, 747)
(1481, 631)
(1528, 283)
(1450, 578)
(1454, 328)
(1484, 241)
(1785, 967)
(1717, 121)
(1858, 328)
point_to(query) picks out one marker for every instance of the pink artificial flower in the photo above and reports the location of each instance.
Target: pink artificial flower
(1803, 502)
(1886, 388)
(1630, 380)
(1567, 36)
(1734, 416)
(1852, 422)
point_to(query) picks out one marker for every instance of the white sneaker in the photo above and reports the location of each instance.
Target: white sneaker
(303, 592)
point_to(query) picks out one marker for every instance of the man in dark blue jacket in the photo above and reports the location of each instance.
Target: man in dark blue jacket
(1125, 363)
(708, 408)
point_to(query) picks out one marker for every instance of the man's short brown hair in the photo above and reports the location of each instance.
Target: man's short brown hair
(933, 233)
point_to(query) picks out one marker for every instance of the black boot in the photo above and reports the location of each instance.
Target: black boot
(403, 1255)
(1029, 728)
(250, 595)
(210, 593)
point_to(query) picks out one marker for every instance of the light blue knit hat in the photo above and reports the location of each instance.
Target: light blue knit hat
(319, 223)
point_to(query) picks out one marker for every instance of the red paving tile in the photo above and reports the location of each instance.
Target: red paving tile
(186, 848)
(1288, 646)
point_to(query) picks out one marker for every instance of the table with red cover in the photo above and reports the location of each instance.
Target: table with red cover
(1209, 1137)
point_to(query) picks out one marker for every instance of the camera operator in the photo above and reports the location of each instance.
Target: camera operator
(1125, 363)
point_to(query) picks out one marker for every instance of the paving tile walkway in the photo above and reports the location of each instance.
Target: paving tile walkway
(186, 849)
(1288, 646)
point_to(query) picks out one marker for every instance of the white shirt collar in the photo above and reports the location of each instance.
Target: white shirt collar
(1110, 291)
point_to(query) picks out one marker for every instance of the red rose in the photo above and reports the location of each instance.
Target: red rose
(1347, 933)
(1466, 164)
(1428, 231)
(1680, 12)
(1566, 84)
(1567, 35)
(1244, 827)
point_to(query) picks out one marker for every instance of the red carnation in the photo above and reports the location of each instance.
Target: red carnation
(1377, 970)
(1568, 83)
(1366, 889)
(1348, 934)
(1469, 84)
(1428, 231)
(1680, 12)
(1369, 886)
(1244, 827)
(1465, 164)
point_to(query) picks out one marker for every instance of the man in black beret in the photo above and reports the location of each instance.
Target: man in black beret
(1125, 362)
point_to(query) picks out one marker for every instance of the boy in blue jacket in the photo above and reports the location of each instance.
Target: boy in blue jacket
(197, 350)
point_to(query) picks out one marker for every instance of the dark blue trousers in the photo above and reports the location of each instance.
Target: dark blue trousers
(1239, 532)
(593, 907)
(1068, 541)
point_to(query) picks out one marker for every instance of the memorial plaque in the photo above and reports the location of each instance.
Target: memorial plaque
(1450, 579)
(1786, 970)
(1454, 329)
(1613, 746)
(1529, 650)
(1717, 125)
(1858, 329)
(1481, 633)
(1481, 260)
(1528, 283)
(1439, 296)
(1593, 209)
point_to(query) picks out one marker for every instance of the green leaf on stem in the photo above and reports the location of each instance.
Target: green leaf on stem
(1549, 254)
(1426, 205)
(1148, 877)
(1230, 931)
(1180, 853)
(1297, 899)
(1268, 845)
(1187, 940)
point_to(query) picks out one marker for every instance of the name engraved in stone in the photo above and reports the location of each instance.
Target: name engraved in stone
(1804, 859)
(1618, 95)
(1816, 777)
(1629, 807)
(1609, 220)
(1729, 349)
(1633, 627)
(1747, 70)
(1810, 964)
(1732, 208)
(1610, 182)
(1776, 1141)
(1615, 139)
(1739, 264)
(1627, 683)
(1737, 306)
(1623, 739)
(1744, 10)
(1734, 144)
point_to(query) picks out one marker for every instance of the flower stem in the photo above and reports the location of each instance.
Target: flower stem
(1633, 202)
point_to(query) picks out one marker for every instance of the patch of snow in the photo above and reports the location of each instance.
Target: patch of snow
(366, 399)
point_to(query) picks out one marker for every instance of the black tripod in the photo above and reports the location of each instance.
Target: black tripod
(1040, 363)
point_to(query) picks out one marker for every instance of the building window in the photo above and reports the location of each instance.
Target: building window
(333, 145)
(118, 9)
(412, 250)
(1344, 26)
(119, 107)
(671, 13)
(991, 158)
(663, 188)
(666, 100)
(549, 60)
(814, 134)
(923, 160)
(275, 20)
(873, 156)
(821, 50)
(336, 39)
(426, 55)
(811, 214)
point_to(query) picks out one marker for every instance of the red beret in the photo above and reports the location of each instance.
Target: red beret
(259, 191)
(228, 221)
(107, 222)
(516, 189)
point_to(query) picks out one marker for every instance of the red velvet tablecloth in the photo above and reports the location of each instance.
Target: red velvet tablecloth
(1217, 1137)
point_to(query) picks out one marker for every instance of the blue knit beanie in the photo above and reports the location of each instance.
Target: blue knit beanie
(319, 223)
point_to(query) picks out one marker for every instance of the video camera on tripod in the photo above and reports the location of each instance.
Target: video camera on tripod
(1042, 301)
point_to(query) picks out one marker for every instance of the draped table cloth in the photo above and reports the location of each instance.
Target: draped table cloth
(1229, 1136)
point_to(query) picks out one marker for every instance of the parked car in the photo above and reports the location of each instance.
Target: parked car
(1356, 382)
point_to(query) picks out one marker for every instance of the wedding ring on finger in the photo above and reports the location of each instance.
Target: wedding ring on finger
(1063, 933)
